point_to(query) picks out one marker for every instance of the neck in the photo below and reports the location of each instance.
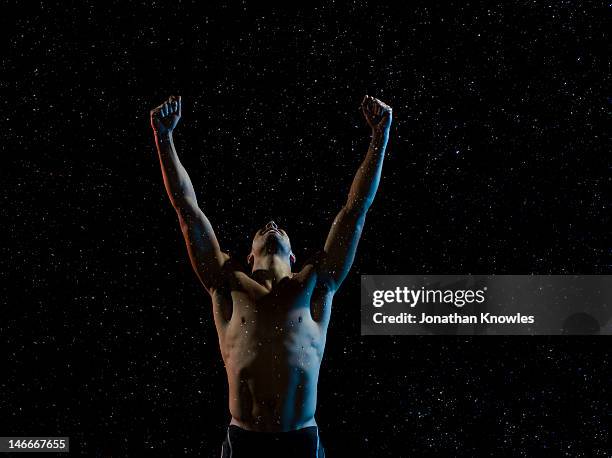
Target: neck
(271, 269)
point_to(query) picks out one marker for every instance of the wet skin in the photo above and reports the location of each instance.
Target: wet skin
(272, 347)
(271, 322)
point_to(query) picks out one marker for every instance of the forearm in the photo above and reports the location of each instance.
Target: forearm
(176, 179)
(365, 183)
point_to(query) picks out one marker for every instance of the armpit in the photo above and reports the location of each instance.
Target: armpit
(321, 303)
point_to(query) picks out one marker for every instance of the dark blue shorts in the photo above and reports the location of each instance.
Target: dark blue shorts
(301, 443)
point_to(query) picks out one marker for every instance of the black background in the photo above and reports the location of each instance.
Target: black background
(498, 163)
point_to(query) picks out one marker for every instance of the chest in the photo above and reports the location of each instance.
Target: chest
(287, 303)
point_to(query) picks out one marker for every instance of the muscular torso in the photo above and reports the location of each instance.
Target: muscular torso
(272, 342)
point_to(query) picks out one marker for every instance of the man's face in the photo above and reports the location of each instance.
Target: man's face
(271, 239)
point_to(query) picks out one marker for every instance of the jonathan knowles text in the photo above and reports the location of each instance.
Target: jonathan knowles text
(457, 298)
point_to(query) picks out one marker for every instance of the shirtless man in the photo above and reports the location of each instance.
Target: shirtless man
(272, 322)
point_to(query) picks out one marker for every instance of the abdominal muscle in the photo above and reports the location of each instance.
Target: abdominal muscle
(272, 370)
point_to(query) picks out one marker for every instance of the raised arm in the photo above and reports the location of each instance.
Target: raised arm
(202, 245)
(346, 229)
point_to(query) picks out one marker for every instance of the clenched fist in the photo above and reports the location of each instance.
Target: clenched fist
(165, 117)
(378, 114)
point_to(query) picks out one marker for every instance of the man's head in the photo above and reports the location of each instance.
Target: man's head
(270, 241)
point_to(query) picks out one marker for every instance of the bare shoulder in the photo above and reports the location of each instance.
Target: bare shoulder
(232, 277)
(315, 266)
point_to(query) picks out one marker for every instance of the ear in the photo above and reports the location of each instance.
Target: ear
(250, 259)
(292, 258)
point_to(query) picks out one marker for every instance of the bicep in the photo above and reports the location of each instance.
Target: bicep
(202, 245)
(341, 246)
